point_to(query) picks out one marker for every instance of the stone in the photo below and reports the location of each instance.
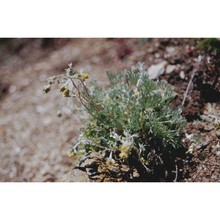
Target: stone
(170, 68)
(182, 75)
(157, 70)
(170, 50)
(218, 153)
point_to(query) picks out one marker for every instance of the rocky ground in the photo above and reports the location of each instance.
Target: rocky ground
(34, 140)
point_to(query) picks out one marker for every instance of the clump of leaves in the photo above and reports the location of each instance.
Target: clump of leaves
(132, 133)
(210, 45)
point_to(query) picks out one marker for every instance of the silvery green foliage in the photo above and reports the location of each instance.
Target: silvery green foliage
(135, 131)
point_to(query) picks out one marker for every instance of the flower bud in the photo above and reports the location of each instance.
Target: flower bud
(66, 92)
(123, 155)
(84, 76)
(46, 89)
(124, 148)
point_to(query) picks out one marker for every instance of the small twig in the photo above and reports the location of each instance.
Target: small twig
(187, 89)
(190, 82)
(85, 88)
(204, 145)
(176, 174)
(79, 94)
(90, 100)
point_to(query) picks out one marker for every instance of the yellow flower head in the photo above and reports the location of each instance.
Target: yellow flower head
(124, 148)
(84, 76)
(66, 92)
(123, 138)
(123, 155)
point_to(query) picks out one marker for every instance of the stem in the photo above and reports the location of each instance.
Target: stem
(187, 89)
(79, 95)
(190, 82)
(176, 174)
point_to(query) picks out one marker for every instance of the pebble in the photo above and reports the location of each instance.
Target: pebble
(12, 89)
(170, 68)
(170, 49)
(154, 71)
(182, 75)
(218, 153)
